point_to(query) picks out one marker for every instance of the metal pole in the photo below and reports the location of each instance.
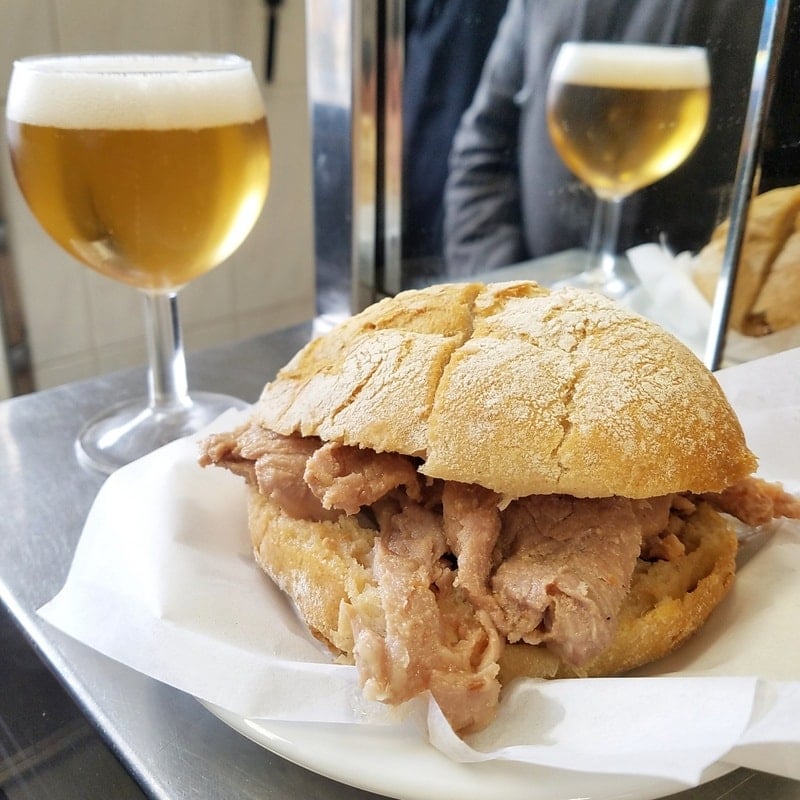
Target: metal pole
(770, 41)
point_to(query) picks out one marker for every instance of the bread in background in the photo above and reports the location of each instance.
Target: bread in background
(767, 292)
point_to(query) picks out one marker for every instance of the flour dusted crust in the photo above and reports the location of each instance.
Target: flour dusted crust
(372, 380)
(518, 389)
(324, 567)
(767, 292)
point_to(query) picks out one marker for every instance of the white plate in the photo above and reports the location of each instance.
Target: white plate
(394, 762)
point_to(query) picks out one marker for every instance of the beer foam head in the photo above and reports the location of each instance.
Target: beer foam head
(631, 66)
(134, 91)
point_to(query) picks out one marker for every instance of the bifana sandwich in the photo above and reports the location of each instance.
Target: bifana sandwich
(470, 483)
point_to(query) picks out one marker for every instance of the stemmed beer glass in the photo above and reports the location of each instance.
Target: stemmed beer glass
(151, 169)
(621, 117)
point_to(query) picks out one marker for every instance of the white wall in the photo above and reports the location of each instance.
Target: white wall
(81, 324)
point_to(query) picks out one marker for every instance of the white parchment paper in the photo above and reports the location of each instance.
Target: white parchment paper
(163, 580)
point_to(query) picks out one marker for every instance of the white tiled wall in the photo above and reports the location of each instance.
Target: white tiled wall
(80, 323)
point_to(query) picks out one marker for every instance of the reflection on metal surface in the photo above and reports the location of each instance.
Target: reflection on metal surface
(355, 59)
(390, 178)
(344, 69)
(329, 67)
(365, 128)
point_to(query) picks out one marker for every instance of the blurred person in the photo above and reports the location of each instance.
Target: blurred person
(446, 43)
(510, 198)
(780, 162)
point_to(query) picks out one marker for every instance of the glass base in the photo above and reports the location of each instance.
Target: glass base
(615, 283)
(133, 429)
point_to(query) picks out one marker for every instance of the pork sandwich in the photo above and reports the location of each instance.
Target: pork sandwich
(470, 483)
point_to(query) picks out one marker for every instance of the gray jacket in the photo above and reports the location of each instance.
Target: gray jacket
(508, 196)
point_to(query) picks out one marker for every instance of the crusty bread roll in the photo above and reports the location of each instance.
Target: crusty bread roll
(518, 389)
(470, 483)
(767, 291)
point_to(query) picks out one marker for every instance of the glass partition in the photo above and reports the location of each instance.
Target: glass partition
(479, 185)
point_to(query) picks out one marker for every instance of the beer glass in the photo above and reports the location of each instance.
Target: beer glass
(621, 117)
(150, 169)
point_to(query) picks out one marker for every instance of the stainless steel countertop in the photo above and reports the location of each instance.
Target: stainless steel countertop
(172, 745)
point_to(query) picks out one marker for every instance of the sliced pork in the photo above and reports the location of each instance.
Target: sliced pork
(756, 502)
(433, 639)
(224, 450)
(349, 478)
(273, 463)
(472, 527)
(566, 568)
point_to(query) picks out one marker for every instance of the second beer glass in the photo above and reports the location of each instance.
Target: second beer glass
(623, 116)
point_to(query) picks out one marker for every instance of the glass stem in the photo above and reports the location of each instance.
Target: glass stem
(605, 233)
(166, 382)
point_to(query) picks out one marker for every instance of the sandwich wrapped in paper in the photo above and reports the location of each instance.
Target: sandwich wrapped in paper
(470, 483)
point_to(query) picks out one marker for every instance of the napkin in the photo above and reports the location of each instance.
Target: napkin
(163, 580)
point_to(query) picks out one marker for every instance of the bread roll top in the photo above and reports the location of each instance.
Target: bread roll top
(518, 389)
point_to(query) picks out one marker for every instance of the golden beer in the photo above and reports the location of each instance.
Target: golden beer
(152, 193)
(624, 116)
(151, 169)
